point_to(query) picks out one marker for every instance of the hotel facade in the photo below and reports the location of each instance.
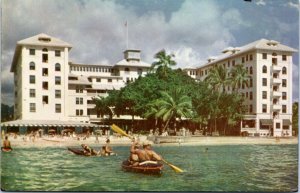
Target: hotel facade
(268, 97)
(52, 92)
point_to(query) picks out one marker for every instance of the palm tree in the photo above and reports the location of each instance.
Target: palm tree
(164, 62)
(218, 78)
(103, 107)
(171, 107)
(239, 77)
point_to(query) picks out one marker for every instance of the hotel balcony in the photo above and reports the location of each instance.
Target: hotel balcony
(276, 68)
(276, 94)
(276, 107)
(276, 81)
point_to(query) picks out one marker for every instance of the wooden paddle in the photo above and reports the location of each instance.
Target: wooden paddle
(120, 131)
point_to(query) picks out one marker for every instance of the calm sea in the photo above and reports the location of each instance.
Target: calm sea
(221, 168)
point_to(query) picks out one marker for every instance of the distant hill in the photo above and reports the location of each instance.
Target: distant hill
(7, 112)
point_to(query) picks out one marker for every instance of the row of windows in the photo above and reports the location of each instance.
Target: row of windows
(264, 82)
(32, 93)
(90, 69)
(264, 69)
(265, 95)
(45, 84)
(32, 107)
(57, 52)
(32, 66)
(99, 80)
(250, 57)
(265, 56)
(265, 106)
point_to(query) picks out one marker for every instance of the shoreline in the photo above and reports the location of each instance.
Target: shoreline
(124, 141)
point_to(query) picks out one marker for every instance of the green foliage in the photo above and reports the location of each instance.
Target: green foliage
(239, 77)
(7, 112)
(163, 63)
(295, 118)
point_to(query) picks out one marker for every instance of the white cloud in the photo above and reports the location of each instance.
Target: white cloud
(293, 5)
(261, 2)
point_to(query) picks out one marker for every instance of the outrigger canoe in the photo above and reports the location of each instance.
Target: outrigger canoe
(6, 149)
(79, 151)
(145, 169)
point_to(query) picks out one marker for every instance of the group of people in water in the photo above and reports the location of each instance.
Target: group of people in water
(140, 153)
(106, 150)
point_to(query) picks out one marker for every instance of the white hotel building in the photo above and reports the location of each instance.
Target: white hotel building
(269, 94)
(53, 93)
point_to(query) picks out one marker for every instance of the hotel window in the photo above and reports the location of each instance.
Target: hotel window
(243, 59)
(251, 57)
(283, 95)
(233, 62)
(127, 70)
(247, 57)
(109, 80)
(31, 66)
(264, 108)
(264, 94)
(246, 94)
(57, 53)
(251, 70)
(45, 50)
(283, 82)
(79, 101)
(264, 56)
(45, 100)
(140, 71)
(32, 79)
(250, 109)
(31, 51)
(58, 94)
(83, 69)
(45, 58)
(264, 82)
(264, 69)
(45, 72)
(250, 96)
(32, 107)
(251, 83)
(45, 85)
(58, 108)
(79, 112)
(277, 125)
(283, 57)
(32, 93)
(79, 89)
(283, 108)
(284, 70)
(98, 79)
(57, 67)
(57, 80)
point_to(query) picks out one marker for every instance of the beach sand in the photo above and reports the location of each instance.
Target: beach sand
(46, 141)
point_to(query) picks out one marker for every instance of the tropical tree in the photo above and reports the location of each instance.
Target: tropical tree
(295, 118)
(103, 106)
(170, 107)
(218, 78)
(239, 77)
(164, 63)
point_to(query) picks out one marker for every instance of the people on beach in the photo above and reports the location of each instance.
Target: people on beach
(6, 143)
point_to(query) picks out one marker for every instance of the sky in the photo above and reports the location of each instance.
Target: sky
(191, 29)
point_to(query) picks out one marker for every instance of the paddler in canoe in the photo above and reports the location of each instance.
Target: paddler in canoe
(143, 156)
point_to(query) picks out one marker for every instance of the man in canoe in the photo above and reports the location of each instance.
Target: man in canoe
(6, 143)
(145, 155)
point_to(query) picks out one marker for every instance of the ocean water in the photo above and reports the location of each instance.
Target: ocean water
(221, 168)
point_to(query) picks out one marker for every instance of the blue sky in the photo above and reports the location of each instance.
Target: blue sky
(193, 29)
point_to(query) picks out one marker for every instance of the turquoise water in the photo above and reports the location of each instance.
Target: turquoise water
(222, 168)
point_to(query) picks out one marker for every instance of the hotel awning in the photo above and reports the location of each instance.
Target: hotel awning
(266, 121)
(286, 122)
(47, 123)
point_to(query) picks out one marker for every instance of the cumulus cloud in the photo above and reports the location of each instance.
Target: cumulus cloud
(261, 2)
(293, 5)
(193, 30)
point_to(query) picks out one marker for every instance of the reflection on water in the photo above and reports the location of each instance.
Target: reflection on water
(221, 168)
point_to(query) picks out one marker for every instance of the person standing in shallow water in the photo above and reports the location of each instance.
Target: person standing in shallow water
(6, 143)
(107, 148)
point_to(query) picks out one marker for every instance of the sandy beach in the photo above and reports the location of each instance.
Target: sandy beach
(58, 141)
